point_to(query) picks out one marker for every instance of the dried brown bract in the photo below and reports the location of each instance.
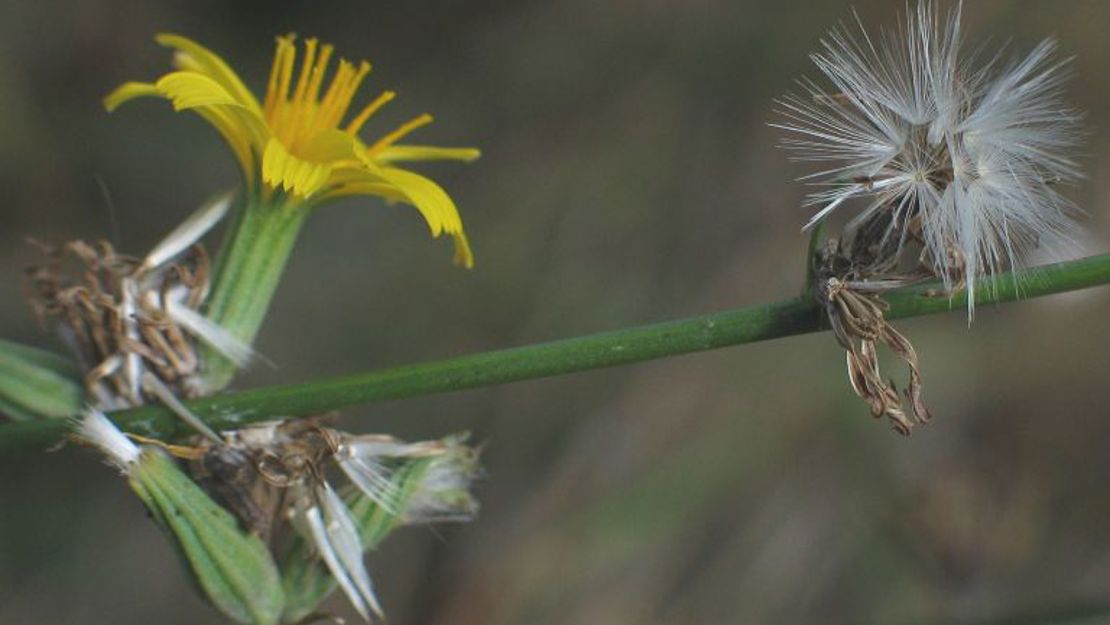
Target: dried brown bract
(858, 324)
(122, 317)
(850, 280)
(252, 470)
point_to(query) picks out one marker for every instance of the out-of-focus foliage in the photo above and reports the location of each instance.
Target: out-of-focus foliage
(627, 176)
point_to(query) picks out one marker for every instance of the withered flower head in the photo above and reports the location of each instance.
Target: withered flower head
(276, 474)
(135, 323)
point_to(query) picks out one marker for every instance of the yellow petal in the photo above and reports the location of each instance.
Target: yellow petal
(243, 130)
(464, 256)
(193, 56)
(295, 175)
(129, 91)
(399, 153)
(383, 190)
(185, 89)
(435, 205)
(189, 90)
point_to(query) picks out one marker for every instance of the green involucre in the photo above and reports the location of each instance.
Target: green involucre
(232, 568)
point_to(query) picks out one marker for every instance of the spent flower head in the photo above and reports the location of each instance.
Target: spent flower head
(958, 154)
(135, 323)
(276, 472)
(295, 142)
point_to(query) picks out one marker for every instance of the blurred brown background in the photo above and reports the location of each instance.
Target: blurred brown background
(628, 176)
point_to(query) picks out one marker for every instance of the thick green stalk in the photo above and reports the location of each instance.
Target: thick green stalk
(250, 268)
(747, 325)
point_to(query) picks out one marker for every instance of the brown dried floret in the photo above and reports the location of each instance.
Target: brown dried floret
(114, 313)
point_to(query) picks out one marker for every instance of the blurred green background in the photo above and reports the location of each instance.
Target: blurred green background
(628, 176)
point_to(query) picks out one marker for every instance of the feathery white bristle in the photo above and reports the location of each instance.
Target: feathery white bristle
(188, 232)
(443, 494)
(326, 522)
(973, 152)
(371, 477)
(96, 429)
(210, 332)
(344, 537)
(361, 459)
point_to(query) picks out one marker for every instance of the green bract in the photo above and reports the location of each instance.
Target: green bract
(232, 568)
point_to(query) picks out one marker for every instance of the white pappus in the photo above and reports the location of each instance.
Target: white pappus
(963, 153)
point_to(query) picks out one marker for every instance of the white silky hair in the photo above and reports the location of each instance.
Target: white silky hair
(914, 126)
(94, 428)
(213, 334)
(363, 460)
(188, 232)
(325, 521)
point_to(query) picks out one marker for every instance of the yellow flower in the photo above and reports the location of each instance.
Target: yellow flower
(295, 142)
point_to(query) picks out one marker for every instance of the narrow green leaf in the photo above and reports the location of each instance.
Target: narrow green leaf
(36, 384)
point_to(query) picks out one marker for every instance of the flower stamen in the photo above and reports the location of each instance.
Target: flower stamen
(403, 130)
(368, 110)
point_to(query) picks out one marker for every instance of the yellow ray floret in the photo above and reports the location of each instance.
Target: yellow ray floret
(295, 142)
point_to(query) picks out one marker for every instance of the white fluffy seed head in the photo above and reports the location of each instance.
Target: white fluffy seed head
(965, 155)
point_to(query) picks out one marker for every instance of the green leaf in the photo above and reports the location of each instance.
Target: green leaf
(36, 384)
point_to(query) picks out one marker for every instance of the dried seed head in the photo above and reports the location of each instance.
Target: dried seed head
(127, 317)
(277, 472)
(119, 326)
(959, 159)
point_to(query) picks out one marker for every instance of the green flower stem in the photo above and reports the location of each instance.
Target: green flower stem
(250, 269)
(747, 325)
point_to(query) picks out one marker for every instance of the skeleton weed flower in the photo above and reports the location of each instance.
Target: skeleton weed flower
(957, 157)
(296, 153)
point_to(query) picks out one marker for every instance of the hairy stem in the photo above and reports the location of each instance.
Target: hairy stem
(735, 327)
